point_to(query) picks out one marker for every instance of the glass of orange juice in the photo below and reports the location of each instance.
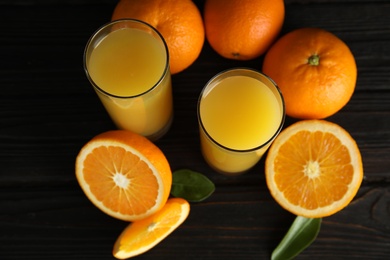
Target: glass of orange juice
(127, 63)
(240, 112)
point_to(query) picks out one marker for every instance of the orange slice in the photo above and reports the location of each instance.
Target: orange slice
(124, 174)
(314, 168)
(141, 236)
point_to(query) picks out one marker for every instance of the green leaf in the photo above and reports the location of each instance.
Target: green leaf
(191, 186)
(301, 234)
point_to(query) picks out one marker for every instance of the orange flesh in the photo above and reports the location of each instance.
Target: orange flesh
(142, 235)
(313, 178)
(118, 179)
(145, 232)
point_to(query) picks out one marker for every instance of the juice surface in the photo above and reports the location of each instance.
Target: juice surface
(240, 113)
(127, 62)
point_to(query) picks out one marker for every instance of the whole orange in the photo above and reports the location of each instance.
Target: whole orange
(315, 70)
(179, 22)
(242, 29)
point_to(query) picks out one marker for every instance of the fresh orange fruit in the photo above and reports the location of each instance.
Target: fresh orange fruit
(140, 236)
(124, 174)
(179, 22)
(315, 71)
(242, 29)
(314, 168)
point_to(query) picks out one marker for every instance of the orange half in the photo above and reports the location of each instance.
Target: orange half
(124, 174)
(314, 168)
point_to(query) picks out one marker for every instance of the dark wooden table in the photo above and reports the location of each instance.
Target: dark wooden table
(48, 111)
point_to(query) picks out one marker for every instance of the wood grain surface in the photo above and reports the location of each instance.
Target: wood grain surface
(49, 110)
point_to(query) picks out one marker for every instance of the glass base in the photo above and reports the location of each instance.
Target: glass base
(227, 173)
(154, 137)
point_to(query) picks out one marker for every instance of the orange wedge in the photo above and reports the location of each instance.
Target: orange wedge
(314, 168)
(141, 236)
(124, 174)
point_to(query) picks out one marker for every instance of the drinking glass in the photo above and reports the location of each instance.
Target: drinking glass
(127, 63)
(240, 113)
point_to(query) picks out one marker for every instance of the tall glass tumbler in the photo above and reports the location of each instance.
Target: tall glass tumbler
(127, 63)
(240, 112)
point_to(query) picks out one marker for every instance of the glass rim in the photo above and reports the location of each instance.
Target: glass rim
(111, 23)
(218, 75)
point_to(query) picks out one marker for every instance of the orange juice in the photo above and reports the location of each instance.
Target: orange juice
(240, 112)
(129, 68)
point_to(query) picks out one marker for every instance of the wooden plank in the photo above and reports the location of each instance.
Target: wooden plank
(49, 110)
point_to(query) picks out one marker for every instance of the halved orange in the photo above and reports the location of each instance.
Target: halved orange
(314, 168)
(124, 174)
(140, 236)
